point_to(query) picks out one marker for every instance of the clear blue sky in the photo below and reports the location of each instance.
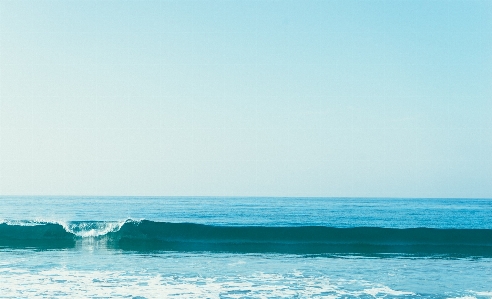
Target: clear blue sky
(246, 98)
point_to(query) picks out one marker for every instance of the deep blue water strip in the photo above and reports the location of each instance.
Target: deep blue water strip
(149, 235)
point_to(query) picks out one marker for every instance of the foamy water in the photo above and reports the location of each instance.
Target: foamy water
(110, 284)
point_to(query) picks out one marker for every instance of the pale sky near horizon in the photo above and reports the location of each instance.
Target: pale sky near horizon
(246, 98)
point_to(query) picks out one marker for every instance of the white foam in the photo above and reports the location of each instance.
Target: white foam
(386, 291)
(61, 282)
(92, 229)
(484, 294)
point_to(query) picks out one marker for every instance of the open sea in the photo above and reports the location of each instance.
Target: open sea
(208, 247)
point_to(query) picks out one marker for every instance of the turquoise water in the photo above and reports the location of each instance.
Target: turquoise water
(127, 247)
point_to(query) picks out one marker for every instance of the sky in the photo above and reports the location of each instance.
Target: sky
(246, 98)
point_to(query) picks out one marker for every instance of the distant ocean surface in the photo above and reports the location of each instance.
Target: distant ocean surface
(208, 247)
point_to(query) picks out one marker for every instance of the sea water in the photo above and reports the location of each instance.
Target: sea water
(206, 247)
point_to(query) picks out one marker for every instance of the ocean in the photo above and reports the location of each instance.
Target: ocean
(223, 247)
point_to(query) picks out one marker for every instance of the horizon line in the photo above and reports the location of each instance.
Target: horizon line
(242, 196)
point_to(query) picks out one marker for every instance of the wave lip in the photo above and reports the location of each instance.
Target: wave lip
(91, 229)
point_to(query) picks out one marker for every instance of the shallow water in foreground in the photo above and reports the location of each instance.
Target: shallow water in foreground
(98, 273)
(90, 265)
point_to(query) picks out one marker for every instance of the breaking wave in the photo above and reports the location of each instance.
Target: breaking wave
(149, 235)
